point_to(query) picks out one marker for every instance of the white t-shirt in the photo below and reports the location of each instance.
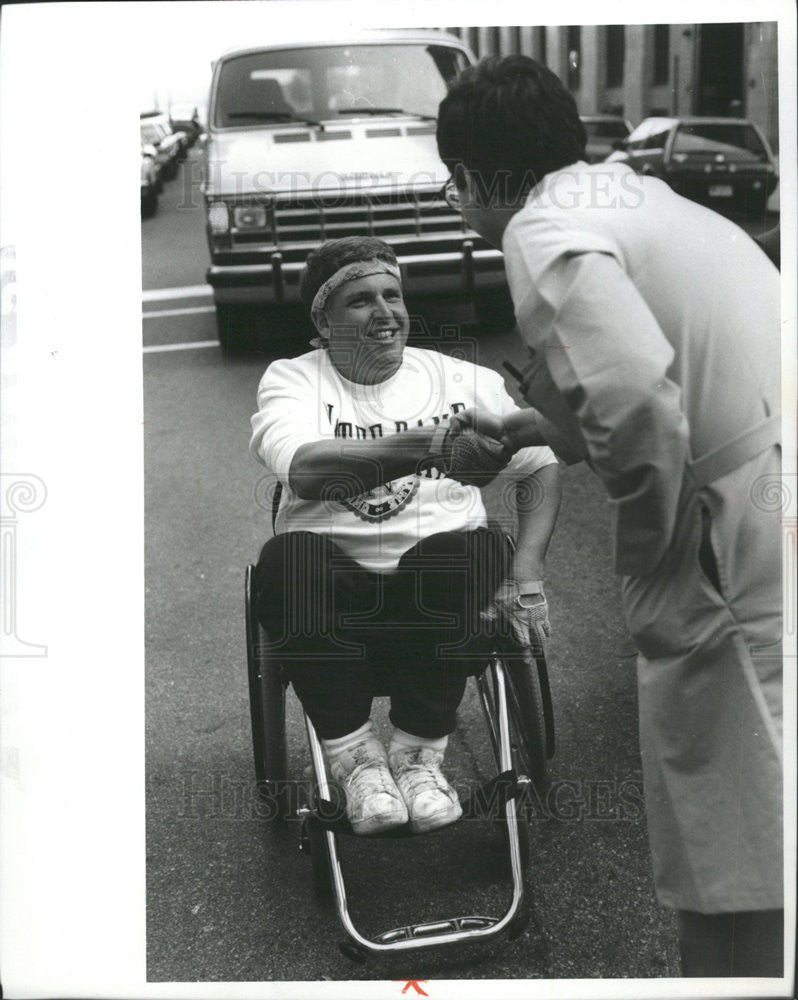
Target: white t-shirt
(305, 399)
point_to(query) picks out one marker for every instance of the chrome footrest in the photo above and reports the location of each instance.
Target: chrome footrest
(455, 929)
(453, 926)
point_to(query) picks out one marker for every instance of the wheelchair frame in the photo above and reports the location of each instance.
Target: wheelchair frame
(516, 703)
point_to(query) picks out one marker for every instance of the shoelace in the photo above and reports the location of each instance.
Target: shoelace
(420, 774)
(380, 775)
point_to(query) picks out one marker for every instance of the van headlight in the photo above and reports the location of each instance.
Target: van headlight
(218, 218)
(249, 217)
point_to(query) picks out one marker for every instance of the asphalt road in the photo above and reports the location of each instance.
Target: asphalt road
(229, 898)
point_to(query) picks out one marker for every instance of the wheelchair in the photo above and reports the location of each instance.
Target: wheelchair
(516, 702)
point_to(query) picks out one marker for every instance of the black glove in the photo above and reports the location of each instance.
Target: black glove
(472, 458)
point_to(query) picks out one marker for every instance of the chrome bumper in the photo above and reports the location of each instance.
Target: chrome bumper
(458, 272)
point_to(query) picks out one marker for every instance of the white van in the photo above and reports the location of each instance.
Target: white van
(308, 141)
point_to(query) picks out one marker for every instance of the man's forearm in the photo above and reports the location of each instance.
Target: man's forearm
(335, 470)
(521, 430)
(538, 501)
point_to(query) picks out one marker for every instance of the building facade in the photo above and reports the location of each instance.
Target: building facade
(638, 70)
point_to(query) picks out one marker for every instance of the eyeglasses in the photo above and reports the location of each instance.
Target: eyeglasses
(451, 195)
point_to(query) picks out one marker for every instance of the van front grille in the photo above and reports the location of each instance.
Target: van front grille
(397, 217)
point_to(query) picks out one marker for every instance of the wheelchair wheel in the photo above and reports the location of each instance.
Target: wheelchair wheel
(528, 719)
(530, 734)
(267, 710)
(488, 694)
(320, 860)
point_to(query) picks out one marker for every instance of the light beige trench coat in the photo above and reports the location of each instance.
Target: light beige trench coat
(653, 325)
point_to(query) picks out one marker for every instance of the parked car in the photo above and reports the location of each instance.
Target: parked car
(602, 132)
(148, 150)
(167, 144)
(723, 162)
(150, 185)
(312, 140)
(163, 120)
(184, 118)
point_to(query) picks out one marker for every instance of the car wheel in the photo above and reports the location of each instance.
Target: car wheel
(267, 329)
(235, 327)
(149, 203)
(243, 329)
(494, 309)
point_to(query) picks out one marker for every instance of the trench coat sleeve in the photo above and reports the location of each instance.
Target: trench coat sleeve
(557, 424)
(561, 444)
(609, 359)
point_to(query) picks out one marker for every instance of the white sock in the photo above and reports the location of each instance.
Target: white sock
(333, 747)
(400, 739)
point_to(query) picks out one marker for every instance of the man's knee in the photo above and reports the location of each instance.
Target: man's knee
(481, 557)
(289, 567)
(290, 549)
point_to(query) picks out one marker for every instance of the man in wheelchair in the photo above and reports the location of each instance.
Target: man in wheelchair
(383, 576)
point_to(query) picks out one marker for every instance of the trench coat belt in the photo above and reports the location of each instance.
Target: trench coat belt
(734, 453)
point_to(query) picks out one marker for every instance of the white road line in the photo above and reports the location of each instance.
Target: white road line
(186, 292)
(163, 348)
(178, 312)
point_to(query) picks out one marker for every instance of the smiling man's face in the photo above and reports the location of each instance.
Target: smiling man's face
(366, 324)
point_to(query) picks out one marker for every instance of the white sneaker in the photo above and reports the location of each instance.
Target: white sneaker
(373, 802)
(430, 799)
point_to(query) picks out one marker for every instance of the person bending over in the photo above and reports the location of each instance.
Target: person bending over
(660, 367)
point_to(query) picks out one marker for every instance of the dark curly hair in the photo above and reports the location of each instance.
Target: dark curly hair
(324, 261)
(510, 121)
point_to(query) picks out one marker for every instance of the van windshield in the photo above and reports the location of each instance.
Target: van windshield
(333, 82)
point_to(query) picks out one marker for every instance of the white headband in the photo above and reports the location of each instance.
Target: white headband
(359, 269)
